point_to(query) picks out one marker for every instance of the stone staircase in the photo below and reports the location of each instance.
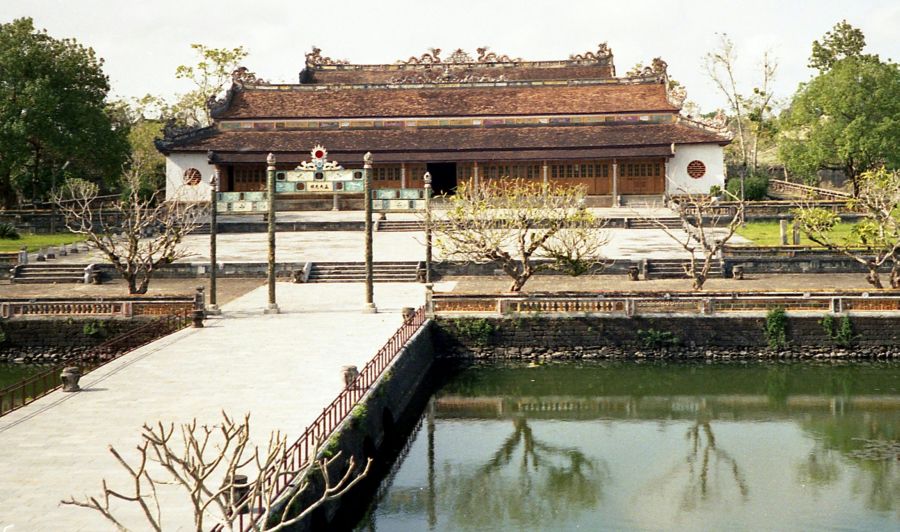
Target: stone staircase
(48, 273)
(355, 272)
(400, 225)
(675, 269)
(668, 222)
(645, 201)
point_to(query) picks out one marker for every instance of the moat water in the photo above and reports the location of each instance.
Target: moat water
(652, 446)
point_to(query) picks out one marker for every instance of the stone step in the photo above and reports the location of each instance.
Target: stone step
(47, 275)
(401, 225)
(333, 272)
(46, 280)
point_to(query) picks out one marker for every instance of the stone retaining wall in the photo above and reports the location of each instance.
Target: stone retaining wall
(678, 336)
(61, 332)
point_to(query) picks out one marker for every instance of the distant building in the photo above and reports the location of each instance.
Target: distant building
(460, 118)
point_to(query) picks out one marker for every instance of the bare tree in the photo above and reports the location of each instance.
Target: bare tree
(210, 463)
(752, 114)
(874, 240)
(702, 231)
(512, 221)
(138, 234)
(719, 66)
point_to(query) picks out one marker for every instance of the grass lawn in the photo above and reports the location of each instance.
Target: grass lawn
(768, 233)
(34, 242)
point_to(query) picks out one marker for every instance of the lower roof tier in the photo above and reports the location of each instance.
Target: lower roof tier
(450, 144)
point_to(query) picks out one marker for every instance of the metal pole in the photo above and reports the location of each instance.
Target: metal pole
(272, 308)
(213, 308)
(367, 176)
(427, 179)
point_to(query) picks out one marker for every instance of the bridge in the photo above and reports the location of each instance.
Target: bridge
(283, 369)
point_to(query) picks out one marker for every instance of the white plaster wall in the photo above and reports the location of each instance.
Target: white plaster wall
(176, 165)
(679, 182)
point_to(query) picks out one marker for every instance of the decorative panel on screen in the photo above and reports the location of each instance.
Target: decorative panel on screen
(696, 169)
(192, 177)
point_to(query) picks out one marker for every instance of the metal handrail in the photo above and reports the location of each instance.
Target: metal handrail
(299, 455)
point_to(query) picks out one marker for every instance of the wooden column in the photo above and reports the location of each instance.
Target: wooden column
(475, 175)
(402, 175)
(615, 184)
(545, 173)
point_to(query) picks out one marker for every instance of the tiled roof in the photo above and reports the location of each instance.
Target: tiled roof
(462, 143)
(294, 102)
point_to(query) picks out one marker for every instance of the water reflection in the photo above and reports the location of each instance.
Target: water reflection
(653, 447)
(526, 481)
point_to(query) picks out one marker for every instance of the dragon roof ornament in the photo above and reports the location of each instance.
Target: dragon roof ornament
(603, 52)
(316, 59)
(459, 57)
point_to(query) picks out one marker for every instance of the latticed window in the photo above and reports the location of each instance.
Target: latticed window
(579, 170)
(511, 170)
(640, 169)
(386, 173)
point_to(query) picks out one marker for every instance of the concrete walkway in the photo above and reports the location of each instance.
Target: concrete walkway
(283, 369)
(326, 246)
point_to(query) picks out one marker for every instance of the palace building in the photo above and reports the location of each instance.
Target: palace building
(460, 118)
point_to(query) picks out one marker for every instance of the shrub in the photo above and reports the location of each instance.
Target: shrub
(8, 232)
(756, 187)
(840, 333)
(654, 338)
(94, 329)
(775, 327)
(479, 330)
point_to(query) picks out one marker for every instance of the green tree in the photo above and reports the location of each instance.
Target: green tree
(210, 76)
(875, 238)
(145, 119)
(841, 42)
(53, 116)
(847, 117)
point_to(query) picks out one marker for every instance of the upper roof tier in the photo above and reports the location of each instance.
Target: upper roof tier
(458, 67)
(459, 85)
(283, 102)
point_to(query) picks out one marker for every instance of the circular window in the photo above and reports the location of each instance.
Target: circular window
(192, 177)
(696, 169)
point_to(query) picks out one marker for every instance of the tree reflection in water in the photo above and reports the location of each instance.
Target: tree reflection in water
(844, 436)
(526, 482)
(700, 471)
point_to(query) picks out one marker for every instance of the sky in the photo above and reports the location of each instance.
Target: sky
(143, 41)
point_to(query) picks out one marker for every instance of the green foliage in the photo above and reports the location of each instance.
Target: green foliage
(210, 76)
(841, 42)
(53, 116)
(359, 413)
(331, 446)
(847, 117)
(756, 187)
(478, 330)
(2, 336)
(841, 333)
(715, 190)
(94, 329)
(655, 338)
(9, 232)
(775, 328)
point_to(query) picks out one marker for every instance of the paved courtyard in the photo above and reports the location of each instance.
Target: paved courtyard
(283, 369)
(340, 246)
